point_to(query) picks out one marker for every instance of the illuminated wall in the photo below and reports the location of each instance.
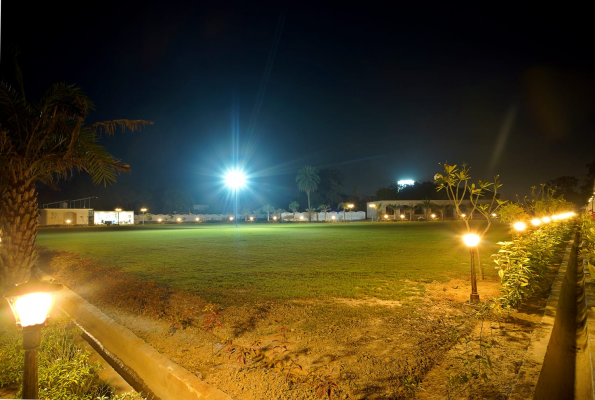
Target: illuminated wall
(65, 216)
(114, 217)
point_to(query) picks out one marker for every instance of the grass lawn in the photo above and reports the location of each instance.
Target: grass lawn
(283, 261)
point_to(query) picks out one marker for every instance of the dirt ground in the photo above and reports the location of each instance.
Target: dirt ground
(359, 349)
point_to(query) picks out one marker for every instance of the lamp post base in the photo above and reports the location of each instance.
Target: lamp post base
(31, 341)
(474, 298)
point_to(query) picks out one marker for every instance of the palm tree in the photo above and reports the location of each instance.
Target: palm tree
(442, 209)
(293, 206)
(44, 142)
(343, 206)
(307, 181)
(324, 208)
(280, 211)
(411, 208)
(310, 212)
(246, 212)
(395, 208)
(268, 209)
(426, 205)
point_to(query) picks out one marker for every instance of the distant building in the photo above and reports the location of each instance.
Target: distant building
(113, 218)
(402, 207)
(65, 216)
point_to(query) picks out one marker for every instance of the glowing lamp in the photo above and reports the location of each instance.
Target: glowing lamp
(301, 217)
(159, 219)
(350, 206)
(179, 219)
(433, 215)
(402, 216)
(333, 217)
(471, 239)
(536, 221)
(274, 218)
(385, 216)
(520, 226)
(251, 218)
(31, 303)
(197, 219)
(235, 179)
(493, 214)
(463, 215)
(372, 205)
(546, 219)
(557, 217)
(68, 221)
(118, 209)
(143, 209)
(231, 218)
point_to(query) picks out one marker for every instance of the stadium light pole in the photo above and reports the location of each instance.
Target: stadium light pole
(235, 179)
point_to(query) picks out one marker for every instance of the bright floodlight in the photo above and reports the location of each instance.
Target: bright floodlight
(463, 215)
(251, 218)
(385, 216)
(372, 205)
(301, 217)
(471, 239)
(275, 218)
(143, 209)
(159, 219)
(231, 218)
(546, 219)
(405, 182)
(433, 215)
(235, 179)
(493, 214)
(402, 216)
(333, 217)
(197, 219)
(520, 226)
(350, 206)
(536, 221)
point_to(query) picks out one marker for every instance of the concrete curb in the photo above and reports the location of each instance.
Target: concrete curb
(140, 364)
(589, 300)
(545, 369)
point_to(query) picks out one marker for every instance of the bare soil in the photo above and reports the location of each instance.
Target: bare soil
(369, 349)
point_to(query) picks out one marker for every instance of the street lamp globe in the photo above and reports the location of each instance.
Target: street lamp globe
(385, 216)
(471, 239)
(520, 226)
(546, 219)
(274, 217)
(197, 219)
(235, 179)
(536, 221)
(402, 216)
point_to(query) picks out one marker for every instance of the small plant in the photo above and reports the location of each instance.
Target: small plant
(324, 384)
(281, 341)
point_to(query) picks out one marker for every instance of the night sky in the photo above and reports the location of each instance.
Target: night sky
(382, 92)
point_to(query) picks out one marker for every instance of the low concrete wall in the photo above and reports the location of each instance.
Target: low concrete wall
(142, 366)
(548, 370)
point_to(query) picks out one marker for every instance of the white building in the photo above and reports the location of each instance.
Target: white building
(113, 218)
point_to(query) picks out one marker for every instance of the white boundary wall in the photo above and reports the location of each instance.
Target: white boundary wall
(286, 216)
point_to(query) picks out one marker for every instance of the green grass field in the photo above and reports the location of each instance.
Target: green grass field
(282, 261)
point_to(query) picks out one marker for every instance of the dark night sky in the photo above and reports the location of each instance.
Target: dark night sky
(383, 92)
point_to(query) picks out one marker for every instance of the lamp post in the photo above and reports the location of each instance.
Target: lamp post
(373, 205)
(143, 210)
(350, 206)
(235, 179)
(31, 303)
(118, 210)
(472, 240)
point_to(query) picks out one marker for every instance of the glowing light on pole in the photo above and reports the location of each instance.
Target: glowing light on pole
(546, 219)
(472, 240)
(235, 179)
(536, 221)
(143, 210)
(350, 206)
(520, 226)
(118, 210)
(31, 303)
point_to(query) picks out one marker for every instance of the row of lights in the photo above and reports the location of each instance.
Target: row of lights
(521, 226)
